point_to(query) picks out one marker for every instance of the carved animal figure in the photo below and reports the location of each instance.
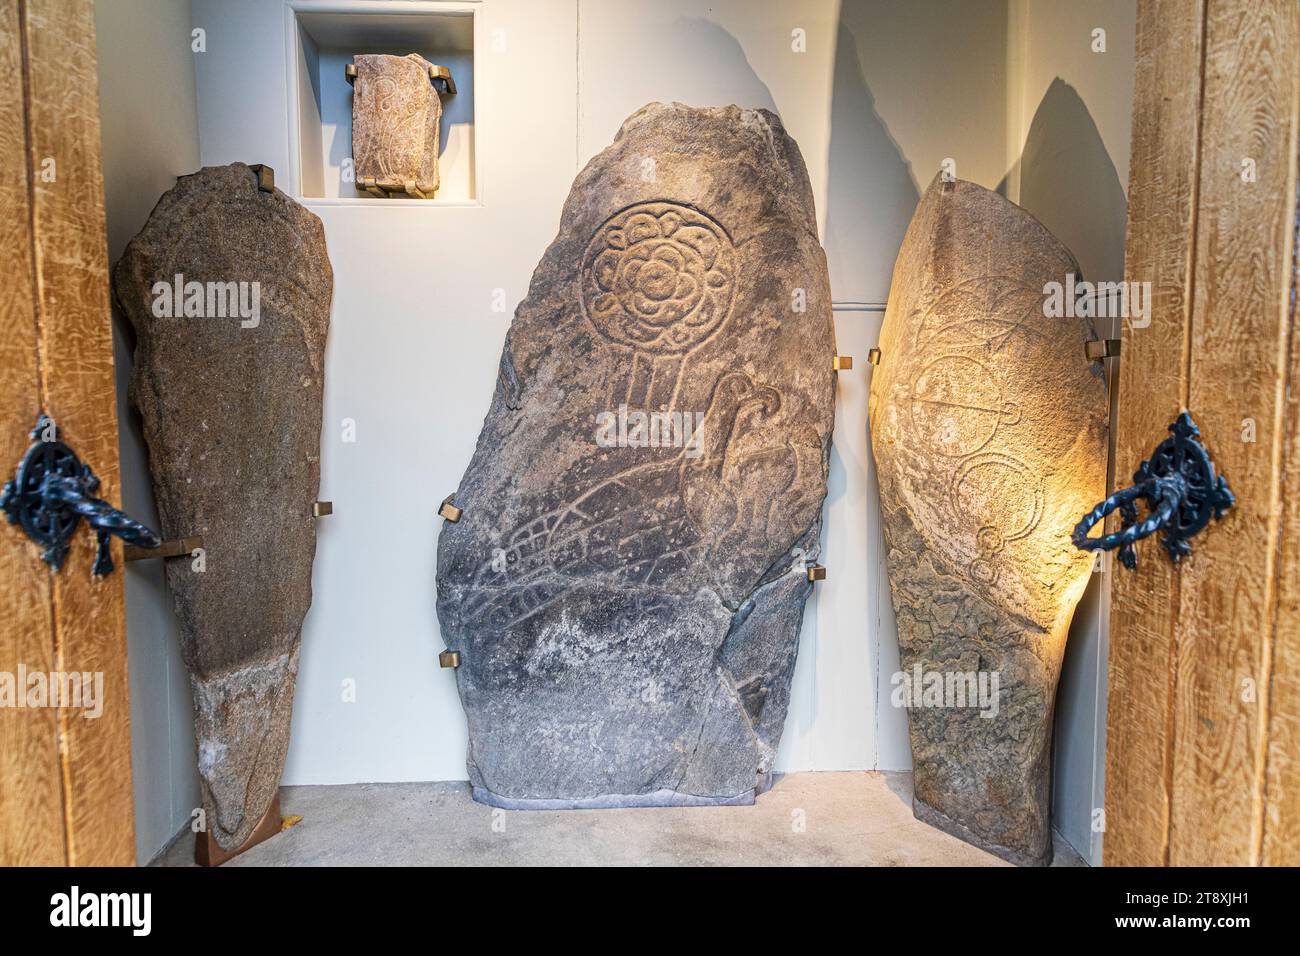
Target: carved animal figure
(689, 513)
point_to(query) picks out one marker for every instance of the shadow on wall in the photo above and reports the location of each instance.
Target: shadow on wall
(1067, 180)
(696, 62)
(870, 198)
(871, 194)
(728, 79)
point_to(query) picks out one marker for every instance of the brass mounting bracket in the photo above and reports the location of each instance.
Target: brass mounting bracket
(320, 509)
(449, 659)
(842, 363)
(265, 177)
(1099, 349)
(816, 572)
(436, 73)
(874, 356)
(384, 189)
(172, 548)
(449, 510)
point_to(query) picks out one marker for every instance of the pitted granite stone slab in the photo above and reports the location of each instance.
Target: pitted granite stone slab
(627, 612)
(231, 403)
(395, 116)
(988, 428)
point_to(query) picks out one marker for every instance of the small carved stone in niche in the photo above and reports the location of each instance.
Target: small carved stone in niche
(625, 593)
(396, 110)
(228, 288)
(988, 428)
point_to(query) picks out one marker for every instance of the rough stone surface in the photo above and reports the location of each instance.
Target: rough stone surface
(232, 417)
(989, 433)
(395, 115)
(627, 617)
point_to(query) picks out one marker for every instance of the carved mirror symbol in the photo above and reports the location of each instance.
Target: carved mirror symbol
(657, 282)
(957, 407)
(1002, 499)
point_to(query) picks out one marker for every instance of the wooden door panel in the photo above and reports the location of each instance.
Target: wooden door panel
(1240, 333)
(31, 794)
(1202, 730)
(67, 785)
(76, 335)
(1153, 389)
(1281, 844)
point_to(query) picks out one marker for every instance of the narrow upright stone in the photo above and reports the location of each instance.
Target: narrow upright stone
(988, 426)
(626, 583)
(228, 288)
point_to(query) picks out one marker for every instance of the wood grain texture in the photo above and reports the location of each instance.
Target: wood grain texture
(1240, 338)
(1281, 845)
(1153, 388)
(77, 390)
(31, 793)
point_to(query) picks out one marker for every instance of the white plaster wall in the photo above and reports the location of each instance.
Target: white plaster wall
(149, 137)
(412, 359)
(884, 92)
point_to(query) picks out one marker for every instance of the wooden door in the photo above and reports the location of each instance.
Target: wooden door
(65, 778)
(1203, 734)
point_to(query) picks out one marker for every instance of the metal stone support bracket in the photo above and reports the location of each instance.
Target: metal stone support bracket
(382, 191)
(437, 74)
(450, 511)
(265, 176)
(171, 548)
(1098, 349)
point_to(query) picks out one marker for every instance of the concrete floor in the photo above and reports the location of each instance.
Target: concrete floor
(848, 819)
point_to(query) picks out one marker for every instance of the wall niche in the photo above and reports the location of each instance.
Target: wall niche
(323, 37)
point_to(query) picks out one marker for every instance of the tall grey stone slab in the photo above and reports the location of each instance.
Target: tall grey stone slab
(988, 428)
(627, 607)
(228, 289)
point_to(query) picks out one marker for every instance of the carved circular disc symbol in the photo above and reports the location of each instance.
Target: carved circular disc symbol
(658, 277)
(957, 406)
(1001, 496)
(1004, 498)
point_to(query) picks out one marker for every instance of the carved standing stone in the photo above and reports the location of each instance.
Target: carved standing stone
(395, 116)
(627, 608)
(228, 378)
(988, 427)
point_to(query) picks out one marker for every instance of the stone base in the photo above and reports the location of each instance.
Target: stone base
(928, 814)
(614, 801)
(208, 852)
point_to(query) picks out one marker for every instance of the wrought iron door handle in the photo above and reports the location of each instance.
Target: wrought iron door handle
(1181, 493)
(53, 490)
